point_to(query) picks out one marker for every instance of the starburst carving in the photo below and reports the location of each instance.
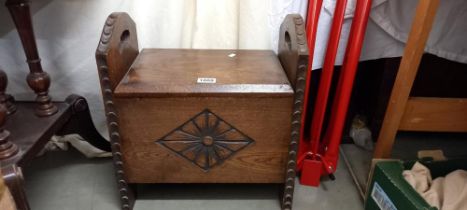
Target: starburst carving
(205, 140)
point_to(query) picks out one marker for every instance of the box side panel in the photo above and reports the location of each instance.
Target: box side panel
(266, 121)
(389, 190)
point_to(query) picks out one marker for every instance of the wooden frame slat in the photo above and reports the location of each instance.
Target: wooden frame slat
(435, 114)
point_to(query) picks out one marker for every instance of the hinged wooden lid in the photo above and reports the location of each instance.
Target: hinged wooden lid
(186, 72)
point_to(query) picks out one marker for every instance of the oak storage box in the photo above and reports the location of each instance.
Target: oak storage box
(202, 116)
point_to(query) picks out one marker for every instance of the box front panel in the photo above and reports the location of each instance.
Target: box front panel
(205, 139)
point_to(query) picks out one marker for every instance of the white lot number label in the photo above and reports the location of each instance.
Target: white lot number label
(206, 80)
(381, 198)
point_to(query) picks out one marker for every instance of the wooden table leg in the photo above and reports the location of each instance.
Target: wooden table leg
(421, 27)
(81, 123)
(13, 178)
(37, 79)
(7, 148)
(5, 99)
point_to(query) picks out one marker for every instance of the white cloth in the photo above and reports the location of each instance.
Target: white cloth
(388, 28)
(68, 31)
(61, 143)
(447, 37)
(444, 193)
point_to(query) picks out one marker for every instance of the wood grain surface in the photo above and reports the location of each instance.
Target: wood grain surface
(117, 49)
(435, 114)
(160, 92)
(164, 72)
(265, 120)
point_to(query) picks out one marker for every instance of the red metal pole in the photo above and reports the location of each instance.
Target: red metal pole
(326, 76)
(314, 10)
(346, 79)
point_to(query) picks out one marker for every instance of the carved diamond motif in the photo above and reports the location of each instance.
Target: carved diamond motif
(205, 140)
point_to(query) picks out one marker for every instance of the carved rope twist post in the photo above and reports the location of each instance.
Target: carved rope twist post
(300, 50)
(115, 24)
(37, 79)
(112, 122)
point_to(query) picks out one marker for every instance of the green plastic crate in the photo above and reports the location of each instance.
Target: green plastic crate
(389, 191)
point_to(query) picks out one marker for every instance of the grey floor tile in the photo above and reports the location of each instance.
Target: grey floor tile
(69, 181)
(407, 144)
(360, 161)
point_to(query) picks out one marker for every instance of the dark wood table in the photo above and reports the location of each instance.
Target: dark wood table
(26, 126)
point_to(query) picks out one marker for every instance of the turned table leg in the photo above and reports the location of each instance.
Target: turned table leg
(7, 148)
(13, 178)
(5, 99)
(37, 79)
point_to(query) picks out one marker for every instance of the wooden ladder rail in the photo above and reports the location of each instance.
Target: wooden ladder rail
(421, 27)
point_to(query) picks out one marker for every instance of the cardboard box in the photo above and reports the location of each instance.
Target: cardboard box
(388, 189)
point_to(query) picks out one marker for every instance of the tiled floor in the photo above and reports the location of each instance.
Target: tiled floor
(69, 181)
